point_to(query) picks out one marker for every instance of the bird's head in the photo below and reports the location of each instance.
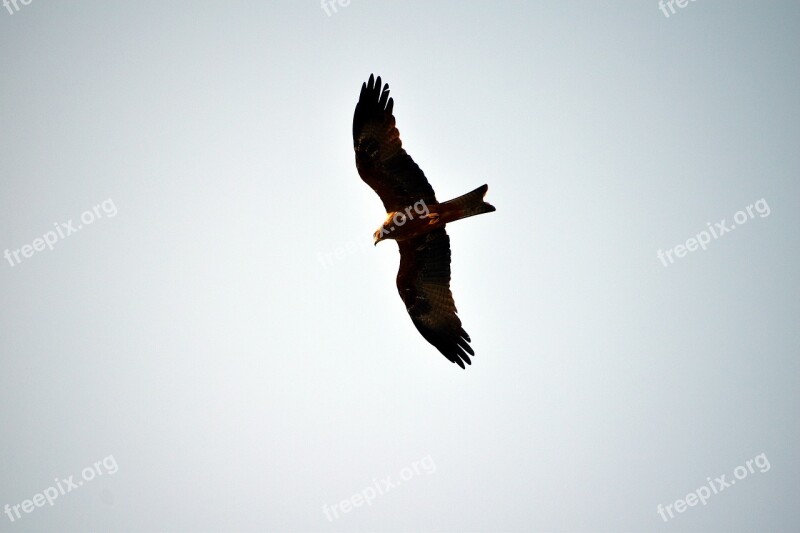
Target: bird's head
(377, 236)
(386, 230)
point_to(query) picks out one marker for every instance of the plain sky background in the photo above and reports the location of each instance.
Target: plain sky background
(233, 339)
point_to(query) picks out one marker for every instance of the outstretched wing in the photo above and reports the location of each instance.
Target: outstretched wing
(424, 285)
(380, 158)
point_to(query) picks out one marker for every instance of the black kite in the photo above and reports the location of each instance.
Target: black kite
(415, 220)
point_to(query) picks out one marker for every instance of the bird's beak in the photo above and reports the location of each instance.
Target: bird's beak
(375, 241)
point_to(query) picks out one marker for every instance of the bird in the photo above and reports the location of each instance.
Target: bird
(415, 220)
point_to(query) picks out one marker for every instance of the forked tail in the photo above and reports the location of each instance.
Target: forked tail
(467, 205)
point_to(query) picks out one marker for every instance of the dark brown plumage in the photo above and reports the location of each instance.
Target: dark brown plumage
(415, 220)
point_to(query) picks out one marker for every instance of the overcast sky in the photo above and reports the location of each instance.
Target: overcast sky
(197, 334)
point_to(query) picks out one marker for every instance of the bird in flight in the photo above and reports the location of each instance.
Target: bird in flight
(415, 220)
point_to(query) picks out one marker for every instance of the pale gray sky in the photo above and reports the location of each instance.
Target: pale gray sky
(191, 356)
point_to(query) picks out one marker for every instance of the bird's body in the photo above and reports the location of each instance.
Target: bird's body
(415, 220)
